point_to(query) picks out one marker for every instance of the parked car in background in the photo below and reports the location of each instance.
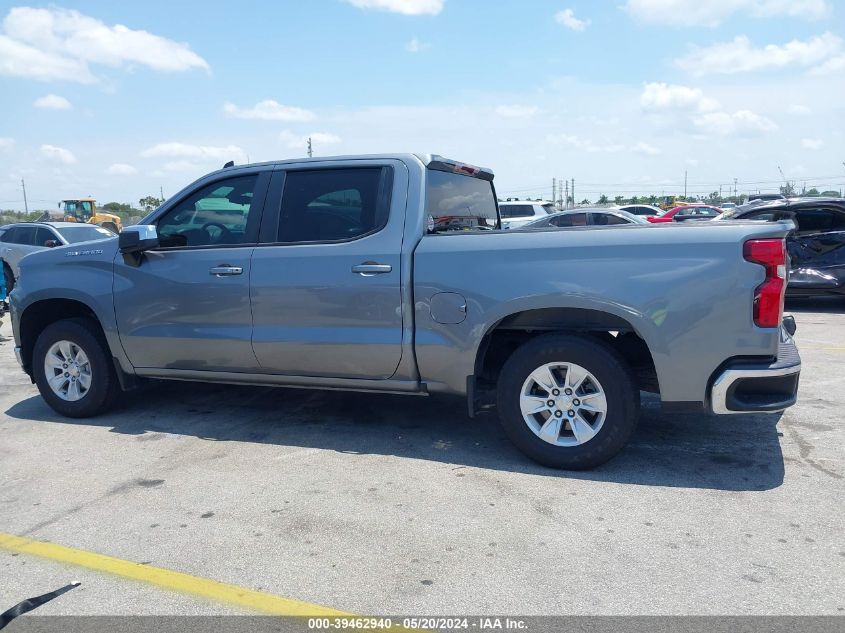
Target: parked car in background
(687, 212)
(18, 240)
(586, 217)
(765, 197)
(817, 245)
(518, 212)
(644, 210)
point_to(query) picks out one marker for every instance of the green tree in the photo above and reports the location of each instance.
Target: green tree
(603, 199)
(149, 203)
(117, 207)
(830, 193)
(618, 200)
(585, 201)
(812, 192)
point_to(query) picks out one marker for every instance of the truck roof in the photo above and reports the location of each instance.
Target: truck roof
(432, 161)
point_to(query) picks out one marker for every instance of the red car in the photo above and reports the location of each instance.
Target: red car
(686, 212)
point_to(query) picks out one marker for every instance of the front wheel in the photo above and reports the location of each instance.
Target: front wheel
(567, 401)
(73, 370)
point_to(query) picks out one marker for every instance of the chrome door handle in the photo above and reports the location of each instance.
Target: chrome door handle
(371, 269)
(225, 271)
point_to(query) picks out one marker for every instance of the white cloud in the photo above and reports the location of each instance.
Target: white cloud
(644, 148)
(740, 55)
(832, 65)
(662, 96)
(121, 169)
(517, 111)
(318, 139)
(740, 123)
(405, 7)
(197, 152)
(415, 45)
(799, 109)
(58, 154)
(52, 102)
(180, 166)
(712, 13)
(567, 18)
(269, 110)
(21, 60)
(812, 143)
(6, 143)
(59, 44)
(593, 147)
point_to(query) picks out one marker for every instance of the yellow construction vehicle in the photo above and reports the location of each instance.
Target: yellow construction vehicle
(85, 210)
(670, 202)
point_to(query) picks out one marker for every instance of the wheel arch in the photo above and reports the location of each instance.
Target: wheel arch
(511, 331)
(40, 314)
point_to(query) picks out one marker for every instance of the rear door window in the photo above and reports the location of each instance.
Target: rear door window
(10, 236)
(574, 219)
(515, 210)
(332, 205)
(24, 235)
(604, 219)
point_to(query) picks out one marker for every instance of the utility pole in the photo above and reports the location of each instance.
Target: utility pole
(735, 190)
(720, 193)
(566, 197)
(685, 184)
(161, 191)
(554, 190)
(25, 204)
(310, 151)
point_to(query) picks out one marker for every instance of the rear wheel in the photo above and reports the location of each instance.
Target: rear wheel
(73, 369)
(567, 401)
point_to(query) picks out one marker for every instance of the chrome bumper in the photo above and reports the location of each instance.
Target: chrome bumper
(745, 387)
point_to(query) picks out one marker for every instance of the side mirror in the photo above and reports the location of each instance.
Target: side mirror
(51, 243)
(137, 239)
(134, 240)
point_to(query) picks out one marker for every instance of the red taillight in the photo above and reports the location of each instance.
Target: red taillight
(768, 296)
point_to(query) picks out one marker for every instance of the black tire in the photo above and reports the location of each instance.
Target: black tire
(8, 278)
(609, 368)
(104, 388)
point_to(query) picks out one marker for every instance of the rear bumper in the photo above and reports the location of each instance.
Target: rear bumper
(743, 386)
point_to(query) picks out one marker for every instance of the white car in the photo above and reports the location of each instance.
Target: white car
(516, 213)
(643, 210)
(23, 238)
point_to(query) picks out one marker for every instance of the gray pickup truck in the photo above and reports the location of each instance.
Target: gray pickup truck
(390, 273)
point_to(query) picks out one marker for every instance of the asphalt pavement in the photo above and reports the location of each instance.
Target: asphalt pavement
(379, 504)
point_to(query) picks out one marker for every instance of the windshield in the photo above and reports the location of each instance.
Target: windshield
(74, 234)
(459, 203)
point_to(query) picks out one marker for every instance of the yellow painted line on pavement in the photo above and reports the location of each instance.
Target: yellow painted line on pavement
(167, 579)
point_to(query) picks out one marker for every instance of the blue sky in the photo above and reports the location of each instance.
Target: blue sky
(118, 99)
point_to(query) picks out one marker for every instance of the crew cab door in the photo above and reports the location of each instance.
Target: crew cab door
(186, 305)
(326, 278)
